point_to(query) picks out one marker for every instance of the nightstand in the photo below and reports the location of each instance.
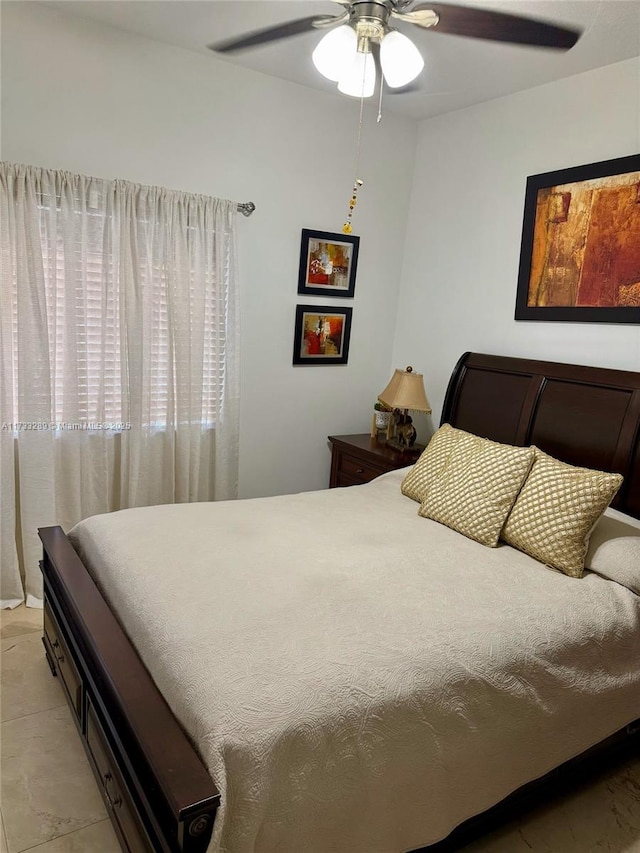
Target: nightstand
(358, 459)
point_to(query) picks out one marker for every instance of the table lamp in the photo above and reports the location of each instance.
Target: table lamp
(405, 392)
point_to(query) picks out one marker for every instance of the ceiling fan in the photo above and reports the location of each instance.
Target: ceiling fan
(363, 34)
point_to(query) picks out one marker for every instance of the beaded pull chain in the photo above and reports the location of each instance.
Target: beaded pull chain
(347, 228)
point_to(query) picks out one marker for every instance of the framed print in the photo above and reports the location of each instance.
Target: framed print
(327, 263)
(321, 335)
(580, 251)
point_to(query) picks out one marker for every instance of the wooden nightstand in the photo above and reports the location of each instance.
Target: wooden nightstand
(357, 459)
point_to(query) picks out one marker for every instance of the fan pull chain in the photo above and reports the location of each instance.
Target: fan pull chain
(347, 228)
(379, 118)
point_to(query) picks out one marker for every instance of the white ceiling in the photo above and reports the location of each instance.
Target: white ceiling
(458, 71)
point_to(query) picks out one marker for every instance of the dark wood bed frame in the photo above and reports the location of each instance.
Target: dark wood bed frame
(156, 789)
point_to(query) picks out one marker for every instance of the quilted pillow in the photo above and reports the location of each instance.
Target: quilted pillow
(431, 463)
(477, 488)
(556, 511)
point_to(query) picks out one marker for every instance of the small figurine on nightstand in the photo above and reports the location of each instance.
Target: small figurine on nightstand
(405, 430)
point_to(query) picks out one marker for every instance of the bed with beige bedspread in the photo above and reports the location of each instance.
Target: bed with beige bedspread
(356, 678)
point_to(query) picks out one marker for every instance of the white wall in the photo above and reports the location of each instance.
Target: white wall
(463, 238)
(92, 99)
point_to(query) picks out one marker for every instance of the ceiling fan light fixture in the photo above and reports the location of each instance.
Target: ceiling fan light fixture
(334, 52)
(359, 77)
(400, 59)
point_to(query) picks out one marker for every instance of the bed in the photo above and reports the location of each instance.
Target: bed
(317, 742)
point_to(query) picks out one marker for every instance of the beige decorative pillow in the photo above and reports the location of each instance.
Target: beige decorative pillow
(431, 463)
(475, 492)
(556, 511)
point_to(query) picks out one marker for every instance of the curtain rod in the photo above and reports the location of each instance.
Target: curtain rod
(246, 208)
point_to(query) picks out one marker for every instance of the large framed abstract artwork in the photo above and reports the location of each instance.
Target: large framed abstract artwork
(580, 253)
(328, 263)
(322, 334)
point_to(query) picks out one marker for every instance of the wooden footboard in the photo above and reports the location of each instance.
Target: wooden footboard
(157, 792)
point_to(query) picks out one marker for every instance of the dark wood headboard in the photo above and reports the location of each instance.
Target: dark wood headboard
(587, 416)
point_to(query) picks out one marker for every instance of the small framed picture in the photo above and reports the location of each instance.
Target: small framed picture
(322, 334)
(327, 263)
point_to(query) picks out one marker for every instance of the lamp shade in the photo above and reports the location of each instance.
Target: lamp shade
(400, 59)
(406, 391)
(359, 76)
(334, 52)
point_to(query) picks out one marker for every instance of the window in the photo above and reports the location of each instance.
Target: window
(97, 269)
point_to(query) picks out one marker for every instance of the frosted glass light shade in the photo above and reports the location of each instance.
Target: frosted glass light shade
(400, 59)
(359, 77)
(334, 51)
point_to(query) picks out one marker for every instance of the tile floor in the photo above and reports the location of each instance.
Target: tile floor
(50, 803)
(49, 800)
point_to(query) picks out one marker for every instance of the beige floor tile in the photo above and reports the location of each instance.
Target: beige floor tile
(26, 683)
(3, 837)
(601, 815)
(20, 620)
(48, 789)
(97, 838)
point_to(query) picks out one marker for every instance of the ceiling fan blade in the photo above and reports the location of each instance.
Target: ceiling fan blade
(495, 26)
(282, 31)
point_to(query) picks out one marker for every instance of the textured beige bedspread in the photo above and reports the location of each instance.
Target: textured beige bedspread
(356, 678)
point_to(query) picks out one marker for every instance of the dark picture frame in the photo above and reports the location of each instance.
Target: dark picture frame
(580, 250)
(322, 334)
(328, 263)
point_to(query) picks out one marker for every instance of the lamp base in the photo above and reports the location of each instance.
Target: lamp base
(402, 431)
(408, 449)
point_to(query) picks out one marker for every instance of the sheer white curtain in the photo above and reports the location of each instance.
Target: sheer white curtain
(118, 355)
